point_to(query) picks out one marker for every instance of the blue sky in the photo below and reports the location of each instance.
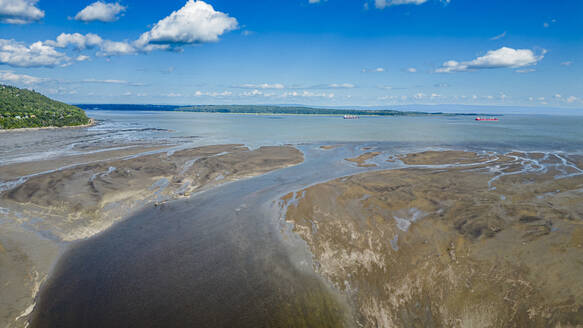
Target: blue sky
(327, 52)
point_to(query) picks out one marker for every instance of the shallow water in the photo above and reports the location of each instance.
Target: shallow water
(118, 128)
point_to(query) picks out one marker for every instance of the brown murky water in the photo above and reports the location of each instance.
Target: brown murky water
(218, 259)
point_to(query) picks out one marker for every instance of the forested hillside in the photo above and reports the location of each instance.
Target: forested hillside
(21, 108)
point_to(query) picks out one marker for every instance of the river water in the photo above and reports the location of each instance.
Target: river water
(225, 257)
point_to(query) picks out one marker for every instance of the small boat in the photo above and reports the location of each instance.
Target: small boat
(486, 119)
(351, 117)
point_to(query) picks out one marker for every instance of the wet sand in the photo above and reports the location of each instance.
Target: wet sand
(73, 198)
(453, 239)
(361, 160)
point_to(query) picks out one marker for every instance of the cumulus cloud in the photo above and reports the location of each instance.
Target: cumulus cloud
(500, 58)
(113, 81)
(381, 4)
(37, 54)
(88, 41)
(341, 86)
(525, 70)
(20, 11)
(11, 77)
(100, 11)
(567, 63)
(77, 40)
(116, 48)
(214, 94)
(308, 94)
(411, 70)
(196, 22)
(252, 93)
(261, 86)
(373, 70)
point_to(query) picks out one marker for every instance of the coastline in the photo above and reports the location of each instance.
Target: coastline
(92, 122)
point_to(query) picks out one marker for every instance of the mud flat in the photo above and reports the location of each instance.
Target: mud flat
(43, 212)
(452, 239)
(362, 160)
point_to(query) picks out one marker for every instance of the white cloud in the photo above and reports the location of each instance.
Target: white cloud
(499, 36)
(411, 70)
(115, 48)
(308, 94)
(567, 63)
(500, 58)
(373, 70)
(37, 54)
(571, 99)
(341, 86)
(252, 93)
(113, 81)
(196, 22)
(82, 42)
(525, 70)
(262, 86)
(100, 11)
(381, 4)
(313, 1)
(419, 95)
(11, 77)
(77, 40)
(213, 94)
(546, 25)
(81, 58)
(20, 11)
(558, 96)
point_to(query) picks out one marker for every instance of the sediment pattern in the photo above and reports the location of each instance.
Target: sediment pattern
(454, 239)
(77, 202)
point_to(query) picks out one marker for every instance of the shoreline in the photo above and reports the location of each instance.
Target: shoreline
(92, 122)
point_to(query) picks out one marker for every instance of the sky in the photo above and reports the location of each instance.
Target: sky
(525, 53)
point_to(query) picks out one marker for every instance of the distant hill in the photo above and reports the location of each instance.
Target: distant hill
(261, 109)
(21, 108)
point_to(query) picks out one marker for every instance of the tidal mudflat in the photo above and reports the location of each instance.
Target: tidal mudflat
(44, 210)
(452, 239)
